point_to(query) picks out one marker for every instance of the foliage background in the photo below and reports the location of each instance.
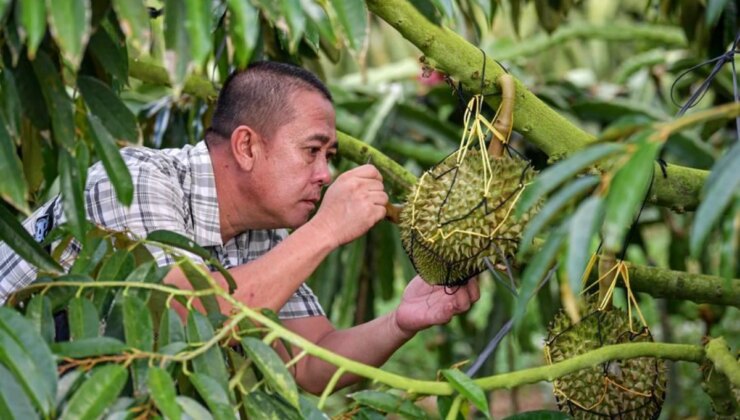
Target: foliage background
(81, 78)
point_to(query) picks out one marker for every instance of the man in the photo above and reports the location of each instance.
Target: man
(259, 172)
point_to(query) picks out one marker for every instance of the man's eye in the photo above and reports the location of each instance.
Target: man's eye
(314, 150)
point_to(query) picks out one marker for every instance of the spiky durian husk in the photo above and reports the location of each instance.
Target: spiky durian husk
(451, 221)
(635, 388)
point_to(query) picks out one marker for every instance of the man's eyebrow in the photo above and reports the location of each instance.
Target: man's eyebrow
(324, 139)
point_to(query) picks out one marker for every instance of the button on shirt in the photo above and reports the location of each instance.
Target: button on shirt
(174, 189)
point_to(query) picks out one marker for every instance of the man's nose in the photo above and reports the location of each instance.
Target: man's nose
(323, 174)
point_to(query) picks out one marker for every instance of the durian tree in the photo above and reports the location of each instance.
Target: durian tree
(597, 170)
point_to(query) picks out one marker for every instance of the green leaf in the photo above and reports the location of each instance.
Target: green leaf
(89, 347)
(56, 98)
(466, 387)
(719, 190)
(69, 21)
(244, 28)
(20, 241)
(178, 241)
(539, 415)
(115, 167)
(162, 390)
(714, 11)
(171, 329)
(553, 207)
(259, 404)
(32, 375)
(388, 403)
(14, 403)
(176, 44)
(38, 312)
(211, 362)
(536, 270)
(83, 319)
(114, 115)
(353, 17)
(10, 105)
(117, 267)
(197, 278)
(551, 178)
(627, 191)
(310, 411)
(30, 16)
(96, 393)
(72, 194)
(13, 189)
(134, 21)
(198, 25)
(273, 368)
(293, 12)
(137, 325)
(214, 395)
(193, 408)
(110, 52)
(730, 247)
(583, 225)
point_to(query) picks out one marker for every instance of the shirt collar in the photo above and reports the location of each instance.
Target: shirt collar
(203, 199)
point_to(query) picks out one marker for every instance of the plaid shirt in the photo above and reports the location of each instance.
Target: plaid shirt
(174, 189)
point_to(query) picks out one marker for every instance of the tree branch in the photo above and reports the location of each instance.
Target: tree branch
(543, 126)
(719, 353)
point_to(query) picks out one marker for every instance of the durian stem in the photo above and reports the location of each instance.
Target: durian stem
(607, 276)
(718, 352)
(504, 121)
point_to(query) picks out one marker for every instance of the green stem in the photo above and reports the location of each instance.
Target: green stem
(454, 408)
(720, 112)
(542, 125)
(718, 352)
(330, 387)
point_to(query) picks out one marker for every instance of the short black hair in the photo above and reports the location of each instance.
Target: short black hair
(260, 97)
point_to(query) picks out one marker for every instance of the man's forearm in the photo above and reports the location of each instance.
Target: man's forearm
(371, 343)
(269, 281)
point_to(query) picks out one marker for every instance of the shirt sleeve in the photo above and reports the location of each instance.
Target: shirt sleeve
(158, 204)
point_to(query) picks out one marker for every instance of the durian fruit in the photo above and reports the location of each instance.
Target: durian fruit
(618, 389)
(454, 217)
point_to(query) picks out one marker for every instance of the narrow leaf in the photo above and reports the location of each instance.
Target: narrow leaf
(714, 11)
(466, 387)
(110, 52)
(13, 189)
(19, 362)
(89, 347)
(137, 325)
(388, 403)
(197, 278)
(114, 115)
(115, 167)
(293, 12)
(353, 17)
(549, 179)
(20, 241)
(273, 368)
(554, 207)
(211, 362)
(134, 20)
(627, 191)
(57, 100)
(10, 105)
(69, 21)
(96, 393)
(73, 195)
(583, 225)
(38, 311)
(83, 319)
(720, 188)
(214, 395)
(178, 241)
(193, 408)
(162, 390)
(176, 44)
(536, 270)
(244, 27)
(259, 404)
(171, 329)
(30, 16)
(14, 403)
(198, 24)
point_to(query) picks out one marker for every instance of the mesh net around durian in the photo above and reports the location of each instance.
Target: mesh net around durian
(461, 210)
(617, 389)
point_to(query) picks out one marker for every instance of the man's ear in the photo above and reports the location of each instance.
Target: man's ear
(246, 145)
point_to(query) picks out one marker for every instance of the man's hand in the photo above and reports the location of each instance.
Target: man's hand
(352, 204)
(424, 305)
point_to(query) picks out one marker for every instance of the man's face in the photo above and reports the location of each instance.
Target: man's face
(295, 163)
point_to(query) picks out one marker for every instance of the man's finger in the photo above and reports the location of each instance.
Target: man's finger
(368, 171)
